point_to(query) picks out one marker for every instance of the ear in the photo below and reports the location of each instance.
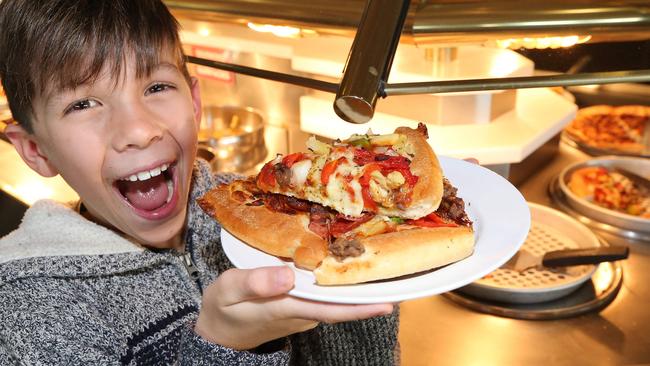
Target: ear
(196, 100)
(28, 149)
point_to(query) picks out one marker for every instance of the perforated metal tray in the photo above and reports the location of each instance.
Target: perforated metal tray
(550, 230)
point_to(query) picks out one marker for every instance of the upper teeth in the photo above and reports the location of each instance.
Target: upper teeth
(147, 174)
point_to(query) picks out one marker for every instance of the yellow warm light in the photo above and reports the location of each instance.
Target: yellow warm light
(542, 42)
(503, 64)
(603, 278)
(204, 31)
(30, 191)
(277, 30)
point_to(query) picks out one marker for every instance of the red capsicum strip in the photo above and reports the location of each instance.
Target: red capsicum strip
(368, 202)
(266, 178)
(431, 220)
(329, 168)
(291, 159)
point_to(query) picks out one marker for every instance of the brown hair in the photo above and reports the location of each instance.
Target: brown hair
(48, 45)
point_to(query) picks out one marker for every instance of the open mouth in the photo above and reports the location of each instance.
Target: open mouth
(151, 193)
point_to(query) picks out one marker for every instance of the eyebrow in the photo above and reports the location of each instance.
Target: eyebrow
(165, 65)
(53, 96)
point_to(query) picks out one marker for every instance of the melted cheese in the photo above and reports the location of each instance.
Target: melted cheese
(299, 173)
(336, 194)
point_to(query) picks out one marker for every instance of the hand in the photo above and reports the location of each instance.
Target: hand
(245, 308)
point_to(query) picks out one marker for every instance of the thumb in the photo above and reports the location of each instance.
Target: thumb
(238, 285)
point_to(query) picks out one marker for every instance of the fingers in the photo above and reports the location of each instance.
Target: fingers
(332, 313)
(238, 285)
(249, 287)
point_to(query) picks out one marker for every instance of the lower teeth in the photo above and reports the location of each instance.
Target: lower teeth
(170, 190)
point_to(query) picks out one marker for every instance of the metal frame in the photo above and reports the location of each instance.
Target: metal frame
(381, 26)
(447, 86)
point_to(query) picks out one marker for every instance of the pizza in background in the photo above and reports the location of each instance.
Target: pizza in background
(611, 128)
(610, 190)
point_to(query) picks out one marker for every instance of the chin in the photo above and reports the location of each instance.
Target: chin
(167, 235)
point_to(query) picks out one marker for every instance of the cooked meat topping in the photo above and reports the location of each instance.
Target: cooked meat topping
(282, 175)
(452, 207)
(345, 246)
(402, 198)
(239, 196)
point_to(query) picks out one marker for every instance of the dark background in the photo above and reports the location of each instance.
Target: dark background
(613, 56)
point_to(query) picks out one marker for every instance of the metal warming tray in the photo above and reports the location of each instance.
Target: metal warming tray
(622, 220)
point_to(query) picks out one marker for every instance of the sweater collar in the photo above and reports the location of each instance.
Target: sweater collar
(51, 228)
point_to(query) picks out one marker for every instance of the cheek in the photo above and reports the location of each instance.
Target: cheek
(183, 127)
(80, 165)
(77, 158)
(186, 135)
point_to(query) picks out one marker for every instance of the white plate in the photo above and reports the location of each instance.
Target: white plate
(501, 222)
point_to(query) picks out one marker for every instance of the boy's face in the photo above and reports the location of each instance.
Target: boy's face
(127, 148)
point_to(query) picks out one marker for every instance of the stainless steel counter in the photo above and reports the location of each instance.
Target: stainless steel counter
(437, 331)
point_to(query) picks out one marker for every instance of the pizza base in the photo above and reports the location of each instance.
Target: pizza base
(386, 255)
(397, 254)
(280, 235)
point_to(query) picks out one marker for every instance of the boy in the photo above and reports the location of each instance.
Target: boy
(134, 274)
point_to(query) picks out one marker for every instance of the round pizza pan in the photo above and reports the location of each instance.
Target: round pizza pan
(559, 200)
(591, 296)
(640, 166)
(550, 230)
(566, 138)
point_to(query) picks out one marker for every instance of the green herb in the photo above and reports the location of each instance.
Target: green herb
(362, 142)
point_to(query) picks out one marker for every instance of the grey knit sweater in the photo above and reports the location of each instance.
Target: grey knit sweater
(75, 293)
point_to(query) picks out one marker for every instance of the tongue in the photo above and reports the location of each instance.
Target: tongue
(147, 195)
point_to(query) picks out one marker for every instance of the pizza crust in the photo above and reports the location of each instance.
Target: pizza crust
(277, 234)
(427, 192)
(397, 254)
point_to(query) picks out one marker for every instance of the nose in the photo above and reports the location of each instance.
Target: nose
(135, 127)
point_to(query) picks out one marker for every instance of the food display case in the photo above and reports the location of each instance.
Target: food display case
(478, 100)
(478, 74)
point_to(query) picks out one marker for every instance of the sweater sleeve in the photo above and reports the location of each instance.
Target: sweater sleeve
(196, 351)
(6, 358)
(365, 342)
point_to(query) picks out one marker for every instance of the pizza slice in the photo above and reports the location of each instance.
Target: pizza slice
(338, 248)
(371, 207)
(396, 174)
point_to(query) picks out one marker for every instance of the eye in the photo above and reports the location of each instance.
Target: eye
(80, 105)
(157, 88)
